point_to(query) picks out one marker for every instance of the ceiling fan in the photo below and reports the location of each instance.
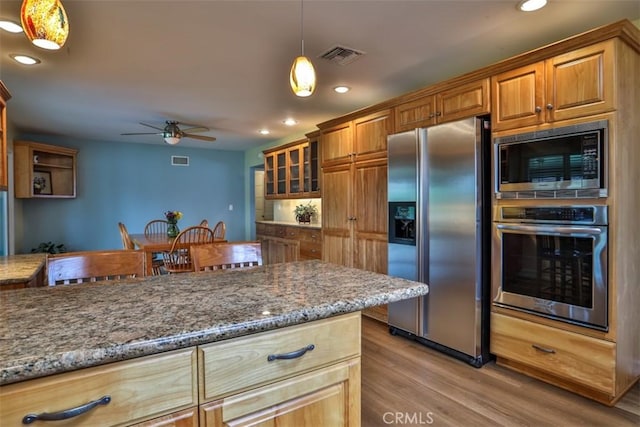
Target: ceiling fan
(172, 133)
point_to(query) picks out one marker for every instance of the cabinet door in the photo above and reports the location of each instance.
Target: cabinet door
(186, 418)
(281, 173)
(276, 250)
(414, 114)
(313, 177)
(370, 216)
(336, 143)
(471, 99)
(517, 97)
(370, 139)
(269, 174)
(580, 83)
(327, 397)
(295, 170)
(337, 216)
(4, 95)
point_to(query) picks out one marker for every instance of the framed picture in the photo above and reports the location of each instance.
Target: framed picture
(42, 182)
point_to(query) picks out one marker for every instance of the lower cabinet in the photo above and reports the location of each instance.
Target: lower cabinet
(303, 375)
(285, 243)
(138, 390)
(570, 360)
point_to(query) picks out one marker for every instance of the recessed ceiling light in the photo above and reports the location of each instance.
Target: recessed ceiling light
(24, 59)
(10, 26)
(531, 5)
(264, 131)
(290, 121)
(342, 89)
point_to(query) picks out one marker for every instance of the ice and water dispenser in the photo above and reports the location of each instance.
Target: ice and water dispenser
(402, 223)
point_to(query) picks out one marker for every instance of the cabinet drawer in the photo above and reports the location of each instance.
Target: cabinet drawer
(310, 250)
(310, 234)
(579, 358)
(140, 389)
(240, 363)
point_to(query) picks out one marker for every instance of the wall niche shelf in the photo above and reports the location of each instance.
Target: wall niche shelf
(44, 171)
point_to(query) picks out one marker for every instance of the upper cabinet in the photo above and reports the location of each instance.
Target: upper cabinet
(363, 138)
(576, 84)
(467, 100)
(292, 170)
(44, 171)
(4, 97)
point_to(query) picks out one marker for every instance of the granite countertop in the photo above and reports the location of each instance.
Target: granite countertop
(20, 268)
(292, 224)
(50, 330)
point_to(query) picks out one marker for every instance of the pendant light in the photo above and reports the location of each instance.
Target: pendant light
(45, 23)
(302, 76)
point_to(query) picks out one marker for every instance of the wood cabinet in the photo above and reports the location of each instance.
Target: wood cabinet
(285, 243)
(139, 389)
(354, 202)
(44, 171)
(292, 171)
(244, 382)
(575, 84)
(467, 100)
(4, 169)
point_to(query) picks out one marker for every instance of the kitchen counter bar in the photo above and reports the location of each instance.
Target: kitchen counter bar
(51, 330)
(17, 269)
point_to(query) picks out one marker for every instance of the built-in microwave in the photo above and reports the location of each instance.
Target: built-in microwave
(561, 163)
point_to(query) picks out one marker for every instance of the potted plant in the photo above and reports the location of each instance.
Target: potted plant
(304, 212)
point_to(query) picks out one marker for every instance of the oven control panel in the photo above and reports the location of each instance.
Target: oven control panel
(596, 215)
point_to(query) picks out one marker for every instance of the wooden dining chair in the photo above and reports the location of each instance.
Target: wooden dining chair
(127, 243)
(178, 258)
(219, 231)
(156, 226)
(223, 256)
(204, 223)
(94, 266)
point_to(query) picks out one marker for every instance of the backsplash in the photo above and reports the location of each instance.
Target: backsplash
(283, 209)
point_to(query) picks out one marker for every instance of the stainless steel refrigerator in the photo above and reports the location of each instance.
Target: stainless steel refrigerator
(439, 216)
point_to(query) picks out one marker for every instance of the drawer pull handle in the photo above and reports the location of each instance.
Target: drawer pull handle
(292, 355)
(67, 413)
(543, 349)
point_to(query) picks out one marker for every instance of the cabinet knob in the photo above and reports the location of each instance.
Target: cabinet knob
(549, 106)
(538, 109)
(432, 115)
(438, 113)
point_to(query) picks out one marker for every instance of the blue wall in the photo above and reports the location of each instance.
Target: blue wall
(134, 183)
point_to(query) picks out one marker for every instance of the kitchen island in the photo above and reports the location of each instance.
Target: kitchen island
(22, 271)
(201, 338)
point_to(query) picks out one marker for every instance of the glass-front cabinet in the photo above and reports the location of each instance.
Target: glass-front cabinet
(292, 170)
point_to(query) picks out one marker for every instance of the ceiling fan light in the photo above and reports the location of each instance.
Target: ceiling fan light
(45, 23)
(171, 140)
(302, 77)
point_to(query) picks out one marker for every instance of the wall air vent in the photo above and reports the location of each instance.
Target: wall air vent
(179, 161)
(341, 55)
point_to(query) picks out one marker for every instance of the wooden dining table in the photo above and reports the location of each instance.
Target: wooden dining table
(154, 243)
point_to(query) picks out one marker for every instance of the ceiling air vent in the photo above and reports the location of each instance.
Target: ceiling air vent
(341, 55)
(179, 161)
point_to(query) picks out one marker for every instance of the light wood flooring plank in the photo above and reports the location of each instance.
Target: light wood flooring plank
(405, 383)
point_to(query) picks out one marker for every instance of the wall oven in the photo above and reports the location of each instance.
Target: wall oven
(560, 163)
(552, 261)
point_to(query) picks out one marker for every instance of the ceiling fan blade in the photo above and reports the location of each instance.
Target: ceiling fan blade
(196, 129)
(151, 126)
(142, 133)
(201, 137)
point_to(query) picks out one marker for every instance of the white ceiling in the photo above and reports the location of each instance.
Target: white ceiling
(225, 64)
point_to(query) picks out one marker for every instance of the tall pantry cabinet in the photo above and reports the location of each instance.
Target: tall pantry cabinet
(354, 196)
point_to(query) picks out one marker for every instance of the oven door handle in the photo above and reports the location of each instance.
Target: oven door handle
(556, 229)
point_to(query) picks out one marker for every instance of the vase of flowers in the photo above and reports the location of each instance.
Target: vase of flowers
(172, 219)
(304, 212)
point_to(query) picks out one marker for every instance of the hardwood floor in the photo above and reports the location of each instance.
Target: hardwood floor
(407, 384)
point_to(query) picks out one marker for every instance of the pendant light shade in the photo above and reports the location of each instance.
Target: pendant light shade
(303, 76)
(45, 23)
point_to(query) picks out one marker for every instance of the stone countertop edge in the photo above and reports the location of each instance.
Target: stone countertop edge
(20, 268)
(46, 331)
(291, 223)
